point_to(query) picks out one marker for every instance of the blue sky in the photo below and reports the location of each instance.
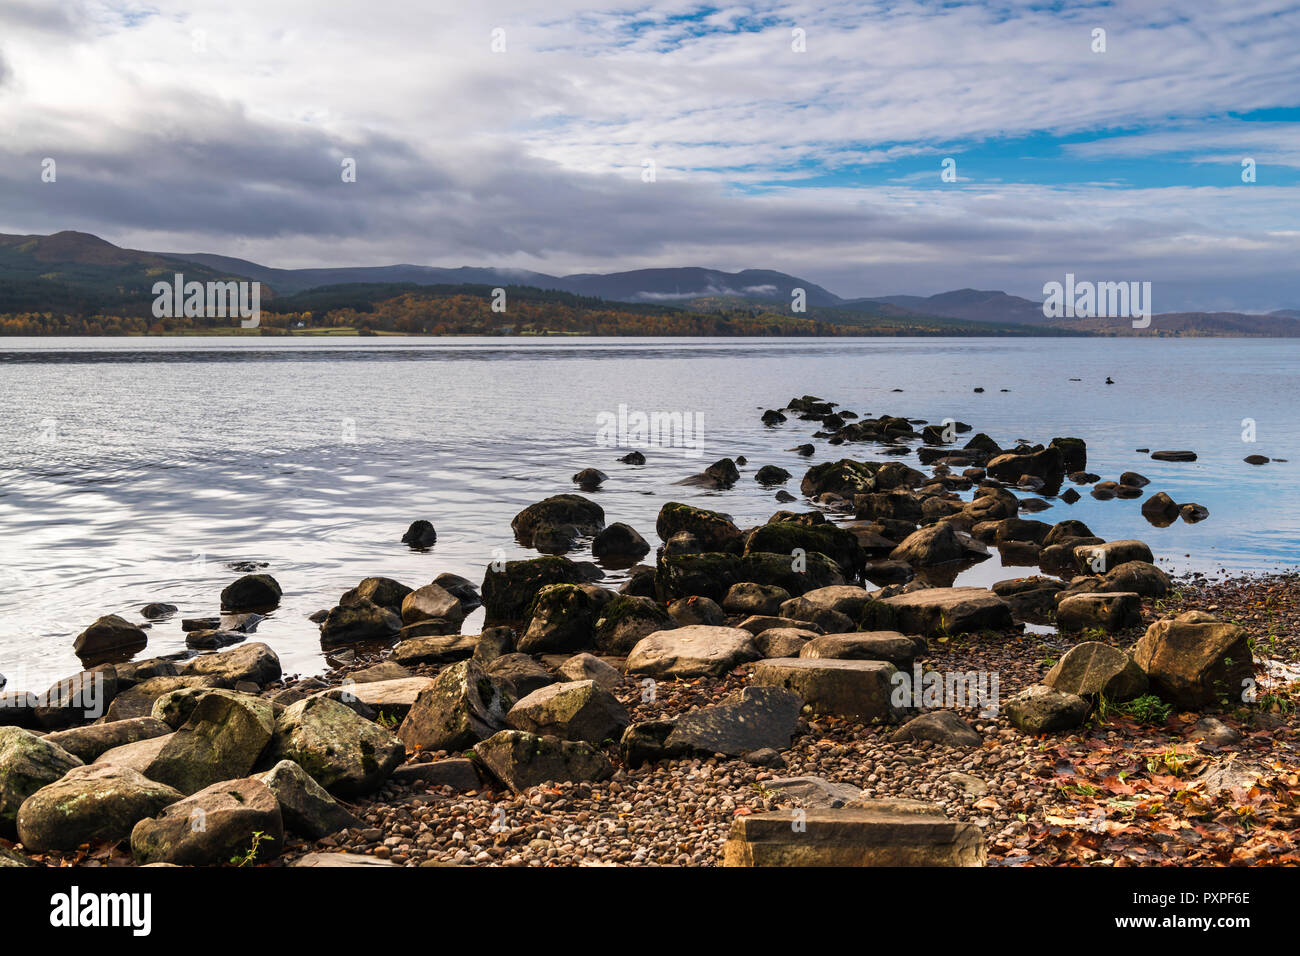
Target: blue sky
(800, 135)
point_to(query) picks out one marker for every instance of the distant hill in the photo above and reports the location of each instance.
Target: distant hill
(76, 274)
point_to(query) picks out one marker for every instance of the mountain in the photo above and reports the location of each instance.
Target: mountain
(974, 305)
(78, 274)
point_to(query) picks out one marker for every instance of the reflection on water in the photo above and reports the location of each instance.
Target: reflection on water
(138, 470)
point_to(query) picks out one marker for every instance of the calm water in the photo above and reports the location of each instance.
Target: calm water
(136, 470)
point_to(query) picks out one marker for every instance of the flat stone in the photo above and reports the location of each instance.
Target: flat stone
(846, 688)
(696, 651)
(852, 837)
(891, 646)
(934, 612)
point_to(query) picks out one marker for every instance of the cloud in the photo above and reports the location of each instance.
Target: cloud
(532, 158)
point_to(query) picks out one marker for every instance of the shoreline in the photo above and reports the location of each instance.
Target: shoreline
(548, 738)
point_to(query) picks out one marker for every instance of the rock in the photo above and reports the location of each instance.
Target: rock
(109, 637)
(1140, 577)
(462, 589)
(626, 620)
(633, 458)
(1193, 512)
(782, 641)
(1194, 660)
(1041, 710)
(749, 598)
(74, 700)
(1133, 479)
(458, 773)
(714, 531)
(435, 650)
(941, 727)
(389, 699)
(696, 610)
(770, 475)
(696, 651)
(575, 710)
(589, 479)
(705, 574)
(931, 545)
(138, 701)
(27, 763)
(938, 611)
(1074, 453)
(508, 593)
(1256, 459)
(1160, 509)
(171, 709)
(784, 496)
(420, 534)
(799, 609)
(212, 826)
(332, 860)
(843, 598)
(252, 592)
(519, 674)
(493, 643)
(852, 837)
(432, 603)
(1216, 733)
(1093, 670)
(1046, 463)
(1100, 558)
(359, 622)
(385, 592)
(619, 543)
(383, 671)
(890, 646)
(87, 743)
(1174, 455)
(305, 806)
(845, 478)
(465, 705)
(222, 740)
(135, 756)
(560, 618)
(154, 612)
(846, 688)
(251, 662)
(793, 537)
(813, 792)
(797, 573)
(98, 802)
(346, 754)
(588, 667)
(755, 719)
(1110, 611)
(521, 760)
(558, 511)
(212, 640)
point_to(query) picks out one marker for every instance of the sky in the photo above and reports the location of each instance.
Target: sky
(559, 136)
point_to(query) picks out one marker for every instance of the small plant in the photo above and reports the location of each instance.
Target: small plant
(258, 837)
(1148, 709)
(386, 720)
(1169, 762)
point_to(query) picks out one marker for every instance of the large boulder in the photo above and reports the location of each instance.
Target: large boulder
(519, 675)
(27, 763)
(305, 806)
(853, 836)
(465, 705)
(1046, 463)
(697, 651)
(1093, 670)
(931, 545)
(212, 827)
(708, 574)
(1108, 611)
(444, 649)
(1195, 660)
(828, 619)
(384, 592)
(620, 545)
(574, 710)
(897, 649)
(361, 621)
(561, 618)
(508, 592)
(845, 598)
(1100, 558)
(749, 598)
(791, 537)
(1140, 577)
(1042, 710)
(796, 573)
(345, 753)
(586, 666)
(433, 603)
(559, 511)
(98, 802)
(74, 700)
(222, 740)
(521, 760)
(938, 611)
(714, 530)
(138, 701)
(255, 663)
(108, 638)
(252, 592)
(845, 688)
(845, 478)
(758, 718)
(625, 620)
(87, 743)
